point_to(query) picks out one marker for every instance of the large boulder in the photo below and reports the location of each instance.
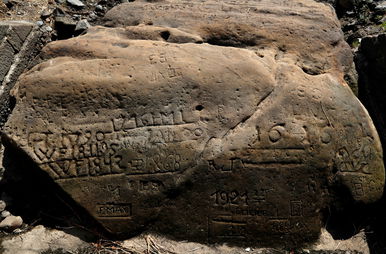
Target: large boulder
(149, 128)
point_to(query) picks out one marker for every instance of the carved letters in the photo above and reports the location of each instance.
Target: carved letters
(203, 142)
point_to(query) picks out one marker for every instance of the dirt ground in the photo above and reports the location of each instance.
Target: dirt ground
(24, 10)
(48, 10)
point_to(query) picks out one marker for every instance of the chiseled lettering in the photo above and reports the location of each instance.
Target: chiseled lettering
(114, 210)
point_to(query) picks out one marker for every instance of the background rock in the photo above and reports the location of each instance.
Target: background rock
(19, 44)
(371, 65)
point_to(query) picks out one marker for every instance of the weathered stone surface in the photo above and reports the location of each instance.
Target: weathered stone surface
(307, 29)
(147, 127)
(19, 44)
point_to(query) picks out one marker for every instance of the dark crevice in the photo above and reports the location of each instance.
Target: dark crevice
(311, 71)
(199, 107)
(230, 42)
(165, 35)
(64, 30)
(347, 217)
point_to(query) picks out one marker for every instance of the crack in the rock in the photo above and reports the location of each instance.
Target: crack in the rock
(246, 118)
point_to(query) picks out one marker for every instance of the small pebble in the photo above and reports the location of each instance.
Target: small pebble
(93, 16)
(11, 223)
(99, 7)
(46, 13)
(381, 6)
(39, 23)
(17, 231)
(48, 29)
(75, 3)
(5, 214)
(82, 25)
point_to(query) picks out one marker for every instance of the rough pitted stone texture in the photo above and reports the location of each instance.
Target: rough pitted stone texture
(19, 44)
(197, 141)
(307, 29)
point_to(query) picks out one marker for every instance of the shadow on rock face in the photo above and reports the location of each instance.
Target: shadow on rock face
(371, 64)
(347, 218)
(32, 195)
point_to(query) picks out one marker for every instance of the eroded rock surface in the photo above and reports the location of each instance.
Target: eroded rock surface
(306, 29)
(197, 141)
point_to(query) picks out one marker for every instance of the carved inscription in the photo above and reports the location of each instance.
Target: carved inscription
(226, 227)
(280, 225)
(166, 134)
(261, 157)
(113, 210)
(152, 119)
(146, 186)
(251, 202)
(296, 208)
(115, 164)
(229, 198)
(355, 161)
(280, 133)
(116, 147)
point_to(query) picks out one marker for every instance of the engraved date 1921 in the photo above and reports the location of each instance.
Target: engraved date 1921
(229, 198)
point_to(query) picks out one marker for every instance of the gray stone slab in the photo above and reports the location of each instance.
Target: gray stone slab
(19, 46)
(6, 59)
